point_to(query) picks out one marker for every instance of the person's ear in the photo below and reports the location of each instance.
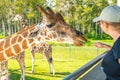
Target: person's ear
(106, 26)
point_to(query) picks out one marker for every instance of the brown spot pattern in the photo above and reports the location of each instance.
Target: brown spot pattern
(14, 40)
(1, 45)
(33, 44)
(9, 53)
(20, 39)
(60, 40)
(7, 43)
(2, 58)
(39, 38)
(17, 48)
(50, 36)
(24, 34)
(30, 41)
(24, 44)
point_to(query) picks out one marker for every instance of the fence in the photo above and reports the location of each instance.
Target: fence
(76, 74)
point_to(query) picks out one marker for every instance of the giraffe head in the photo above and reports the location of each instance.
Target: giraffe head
(55, 22)
(17, 17)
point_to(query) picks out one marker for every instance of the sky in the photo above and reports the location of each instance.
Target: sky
(118, 3)
(51, 3)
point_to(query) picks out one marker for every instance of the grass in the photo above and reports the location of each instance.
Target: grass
(66, 60)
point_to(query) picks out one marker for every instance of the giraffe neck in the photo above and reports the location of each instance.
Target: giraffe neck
(16, 43)
(53, 36)
(24, 23)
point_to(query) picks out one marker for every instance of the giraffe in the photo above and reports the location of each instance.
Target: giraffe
(17, 43)
(4, 75)
(19, 46)
(56, 23)
(3, 69)
(22, 20)
(43, 47)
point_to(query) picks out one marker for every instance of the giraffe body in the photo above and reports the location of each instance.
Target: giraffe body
(46, 50)
(42, 47)
(14, 46)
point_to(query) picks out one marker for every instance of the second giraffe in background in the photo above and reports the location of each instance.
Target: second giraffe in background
(43, 47)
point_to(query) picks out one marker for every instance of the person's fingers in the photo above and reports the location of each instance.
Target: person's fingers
(98, 44)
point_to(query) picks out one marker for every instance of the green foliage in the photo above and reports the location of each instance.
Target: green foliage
(26, 7)
(78, 13)
(2, 36)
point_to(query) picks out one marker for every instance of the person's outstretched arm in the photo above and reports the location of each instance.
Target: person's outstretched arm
(102, 45)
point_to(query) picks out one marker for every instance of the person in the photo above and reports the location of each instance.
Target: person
(109, 22)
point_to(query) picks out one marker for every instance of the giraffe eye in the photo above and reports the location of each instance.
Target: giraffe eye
(50, 25)
(78, 32)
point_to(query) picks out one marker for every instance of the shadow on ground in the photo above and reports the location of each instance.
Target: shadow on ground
(16, 74)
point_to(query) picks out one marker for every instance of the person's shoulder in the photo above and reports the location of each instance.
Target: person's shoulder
(117, 43)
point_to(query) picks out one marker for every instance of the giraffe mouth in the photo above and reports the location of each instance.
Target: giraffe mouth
(79, 41)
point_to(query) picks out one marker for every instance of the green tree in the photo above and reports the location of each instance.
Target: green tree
(78, 13)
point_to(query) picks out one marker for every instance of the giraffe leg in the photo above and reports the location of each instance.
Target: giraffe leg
(48, 55)
(20, 59)
(0, 70)
(4, 75)
(6, 70)
(51, 66)
(50, 60)
(33, 60)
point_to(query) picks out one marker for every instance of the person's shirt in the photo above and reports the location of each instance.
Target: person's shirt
(110, 63)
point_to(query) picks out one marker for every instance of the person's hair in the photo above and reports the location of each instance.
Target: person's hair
(114, 24)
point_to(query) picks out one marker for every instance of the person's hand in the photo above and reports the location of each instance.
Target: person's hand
(102, 45)
(99, 45)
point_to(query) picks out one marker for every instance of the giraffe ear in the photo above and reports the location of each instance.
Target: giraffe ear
(60, 18)
(50, 11)
(44, 13)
